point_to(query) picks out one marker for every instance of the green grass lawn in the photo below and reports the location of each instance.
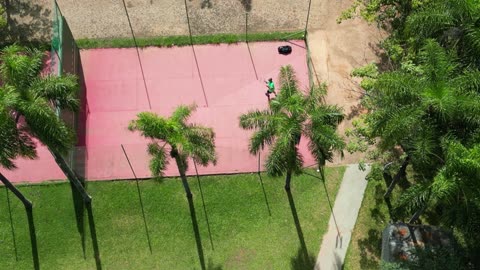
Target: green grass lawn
(365, 245)
(244, 236)
(169, 41)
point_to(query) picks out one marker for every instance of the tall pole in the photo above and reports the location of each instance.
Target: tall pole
(195, 54)
(140, 197)
(138, 55)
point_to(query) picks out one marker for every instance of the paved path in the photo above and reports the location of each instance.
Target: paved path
(347, 204)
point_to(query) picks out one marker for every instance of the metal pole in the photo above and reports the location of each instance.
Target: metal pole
(140, 197)
(195, 55)
(138, 54)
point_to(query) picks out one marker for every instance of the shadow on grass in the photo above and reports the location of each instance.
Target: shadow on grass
(196, 231)
(370, 248)
(79, 208)
(33, 238)
(303, 246)
(93, 233)
(212, 266)
(300, 262)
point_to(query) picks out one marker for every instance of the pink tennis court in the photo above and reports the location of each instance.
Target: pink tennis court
(115, 94)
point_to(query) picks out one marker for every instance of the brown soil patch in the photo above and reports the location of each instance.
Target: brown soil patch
(336, 49)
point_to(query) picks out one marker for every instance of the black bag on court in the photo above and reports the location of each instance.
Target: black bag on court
(284, 50)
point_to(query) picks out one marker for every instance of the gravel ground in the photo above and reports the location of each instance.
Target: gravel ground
(106, 18)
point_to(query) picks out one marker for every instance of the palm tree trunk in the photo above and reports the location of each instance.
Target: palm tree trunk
(181, 169)
(9, 185)
(288, 179)
(72, 177)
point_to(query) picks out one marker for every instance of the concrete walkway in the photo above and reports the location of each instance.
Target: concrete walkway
(347, 204)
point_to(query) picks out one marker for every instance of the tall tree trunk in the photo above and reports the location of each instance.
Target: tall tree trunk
(9, 185)
(182, 167)
(288, 179)
(70, 175)
(399, 178)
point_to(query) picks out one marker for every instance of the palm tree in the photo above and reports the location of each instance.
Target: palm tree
(35, 97)
(453, 23)
(425, 115)
(184, 139)
(13, 142)
(291, 115)
(415, 111)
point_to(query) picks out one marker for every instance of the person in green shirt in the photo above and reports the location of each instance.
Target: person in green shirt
(271, 88)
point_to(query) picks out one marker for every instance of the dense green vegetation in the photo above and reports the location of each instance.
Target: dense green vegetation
(169, 41)
(244, 235)
(424, 107)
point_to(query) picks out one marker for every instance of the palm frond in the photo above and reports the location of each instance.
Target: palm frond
(61, 91)
(182, 113)
(429, 22)
(151, 125)
(256, 119)
(44, 124)
(323, 142)
(288, 82)
(201, 144)
(437, 64)
(283, 156)
(260, 139)
(14, 142)
(413, 198)
(159, 160)
(316, 96)
(19, 66)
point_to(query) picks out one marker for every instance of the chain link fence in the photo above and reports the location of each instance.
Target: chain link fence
(65, 59)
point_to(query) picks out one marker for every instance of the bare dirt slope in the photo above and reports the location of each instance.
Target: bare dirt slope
(336, 49)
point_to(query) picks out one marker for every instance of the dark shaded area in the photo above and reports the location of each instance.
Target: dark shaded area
(93, 234)
(303, 246)
(355, 110)
(79, 208)
(247, 4)
(27, 23)
(204, 207)
(11, 226)
(370, 249)
(212, 266)
(196, 231)
(299, 262)
(206, 4)
(33, 238)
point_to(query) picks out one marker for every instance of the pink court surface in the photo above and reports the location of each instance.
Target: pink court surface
(115, 94)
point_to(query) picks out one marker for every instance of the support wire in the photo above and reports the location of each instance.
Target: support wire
(138, 55)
